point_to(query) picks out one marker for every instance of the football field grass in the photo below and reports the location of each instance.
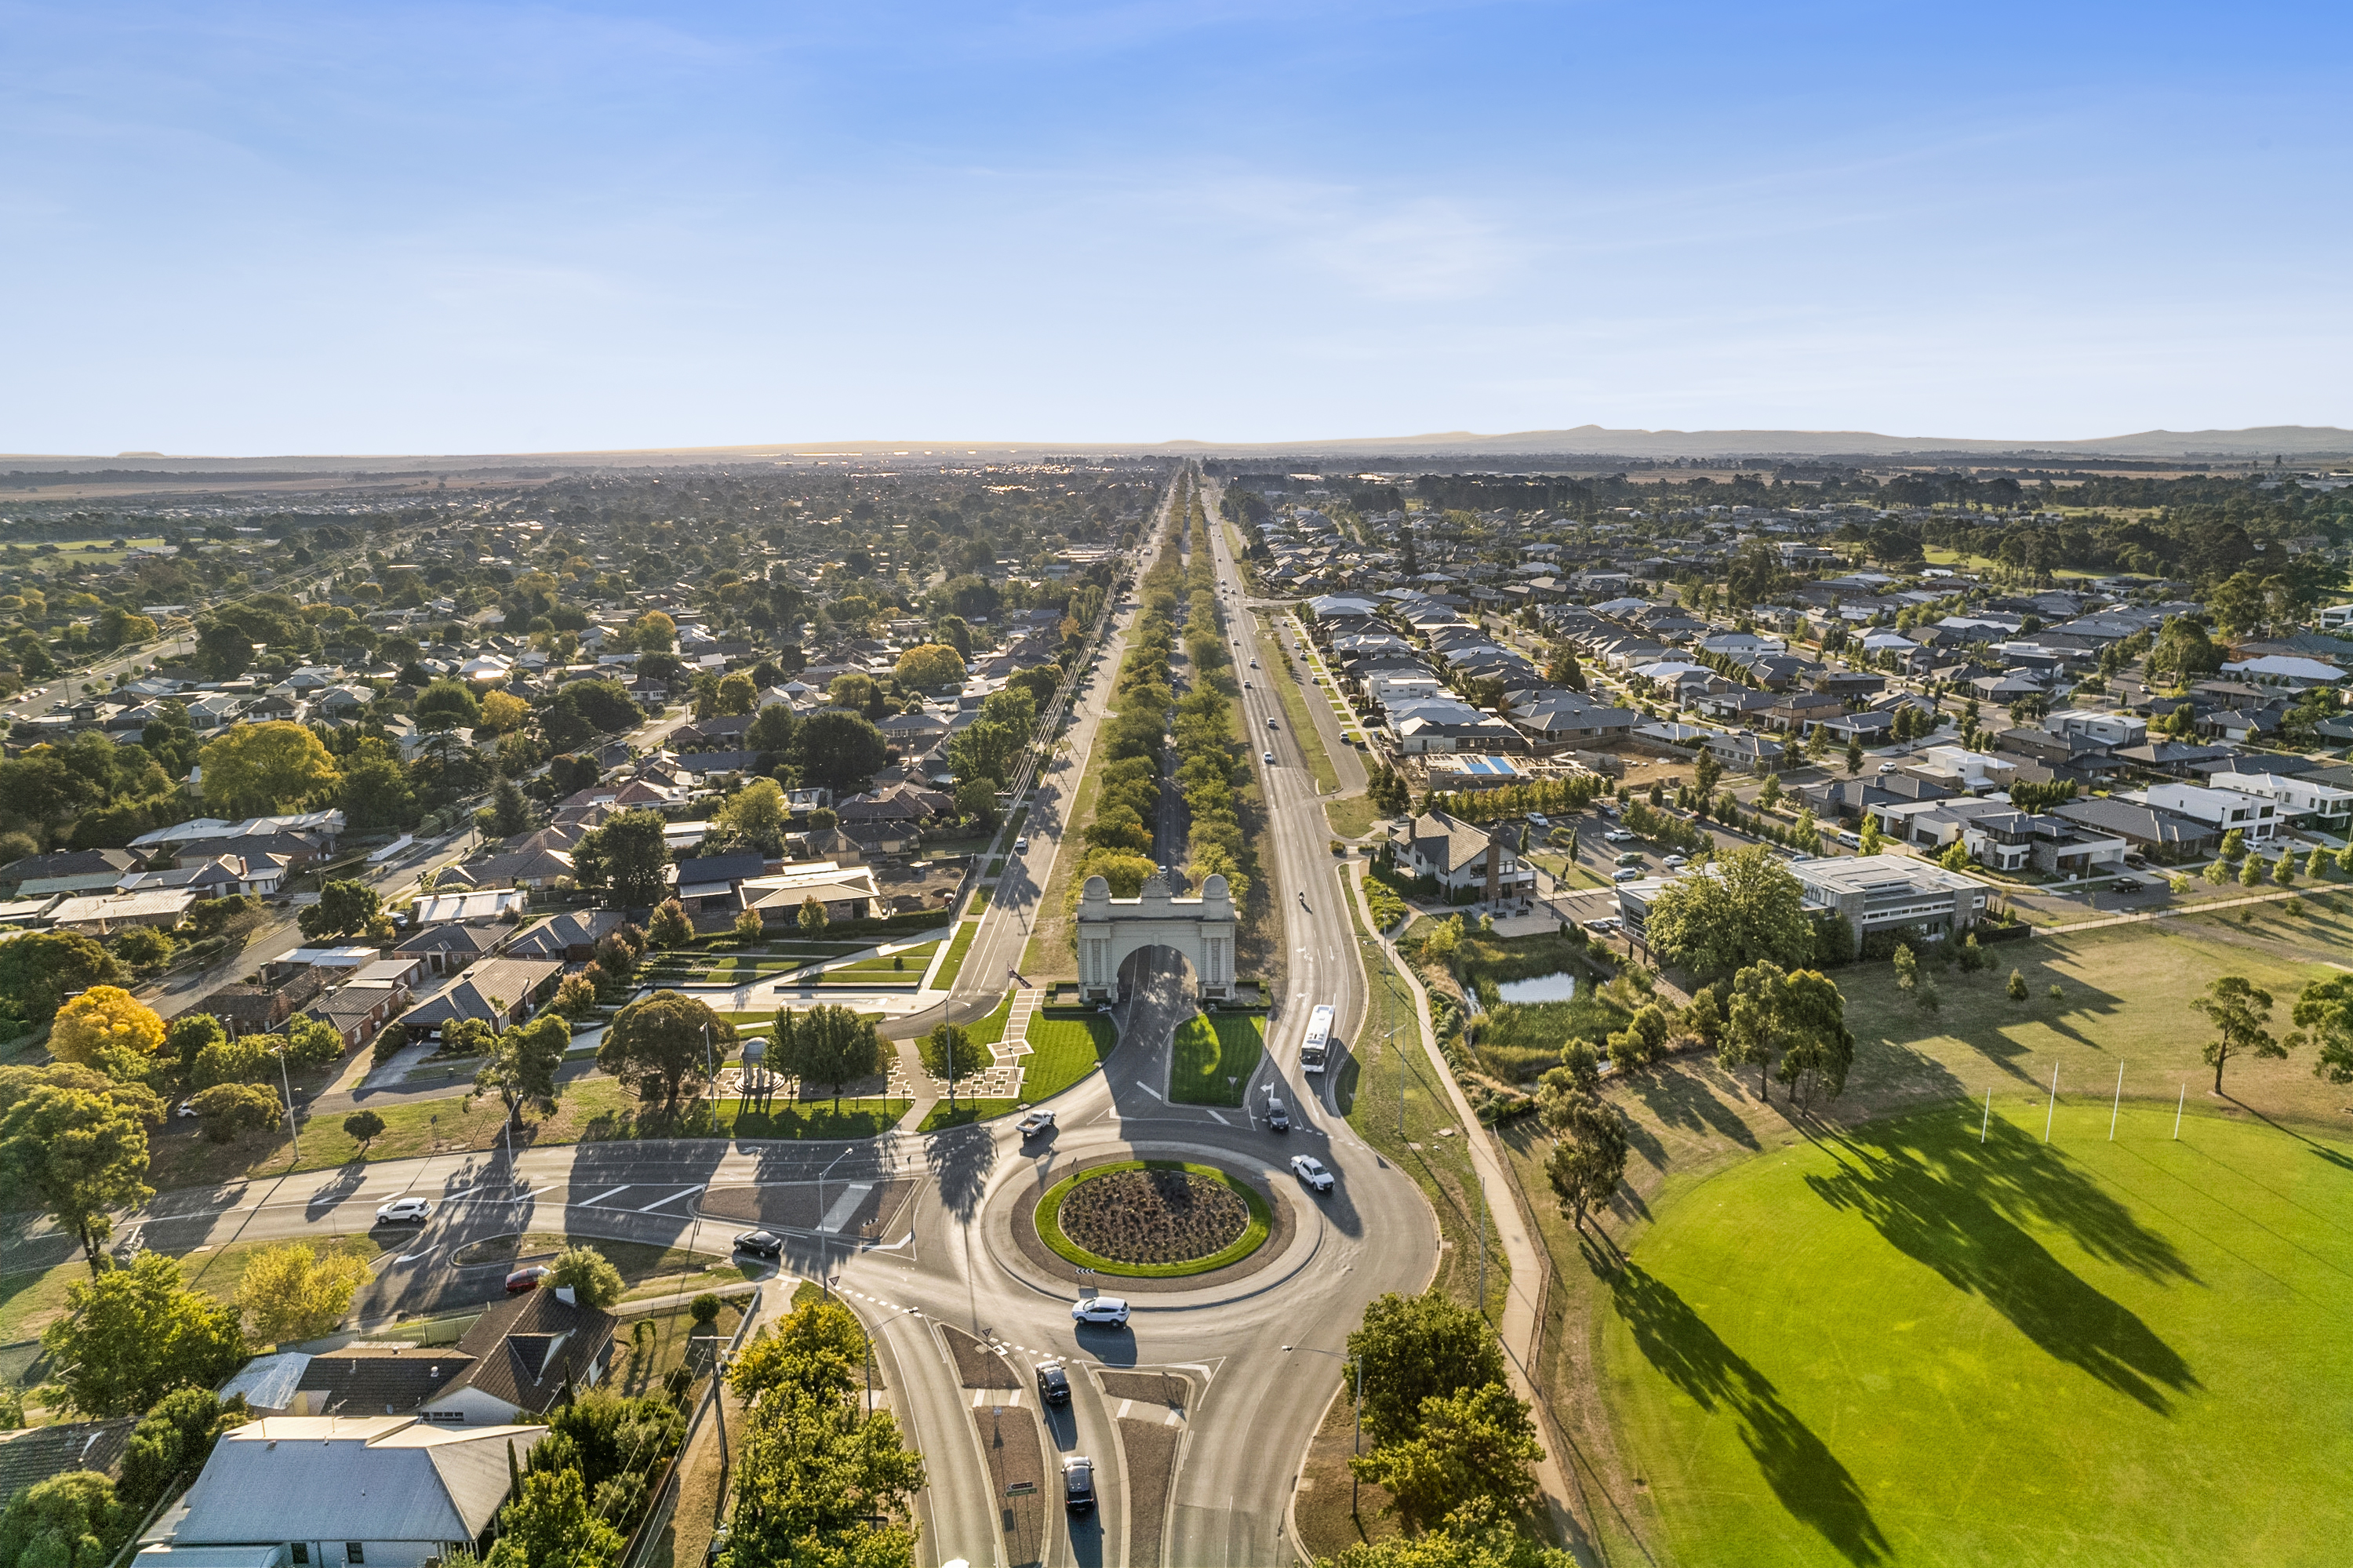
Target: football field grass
(1901, 1345)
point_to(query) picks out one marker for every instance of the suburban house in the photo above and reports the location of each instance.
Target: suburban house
(375, 1491)
(1462, 858)
(2221, 810)
(448, 948)
(2162, 834)
(570, 937)
(2304, 802)
(498, 992)
(68, 870)
(1878, 891)
(844, 892)
(523, 1355)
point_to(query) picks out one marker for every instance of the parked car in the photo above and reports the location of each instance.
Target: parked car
(1079, 1484)
(1035, 1123)
(1311, 1171)
(523, 1279)
(1602, 927)
(761, 1243)
(400, 1211)
(1627, 874)
(1278, 1116)
(718, 1547)
(1053, 1385)
(1619, 836)
(1675, 860)
(1109, 1310)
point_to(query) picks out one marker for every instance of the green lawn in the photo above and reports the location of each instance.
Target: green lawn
(1351, 816)
(967, 1111)
(916, 959)
(1063, 1051)
(952, 965)
(1901, 1345)
(1213, 1055)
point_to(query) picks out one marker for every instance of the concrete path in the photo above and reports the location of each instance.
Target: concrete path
(922, 1093)
(2209, 907)
(1521, 1250)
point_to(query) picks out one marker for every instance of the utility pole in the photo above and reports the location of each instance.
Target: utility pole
(293, 1131)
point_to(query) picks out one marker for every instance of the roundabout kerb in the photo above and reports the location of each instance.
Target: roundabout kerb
(1257, 1220)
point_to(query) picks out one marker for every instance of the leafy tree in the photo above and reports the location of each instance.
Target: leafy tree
(189, 1033)
(78, 1152)
(228, 1111)
(1589, 1160)
(503, 713)
(70, 1520)
(106, 1026)
(223, 652)
(2283, 869)
(550, 1524)
(132, 1335)
(1817, 1047)
(291, 1292)
(812, 918)
(818, 1345)
(144, 949)
(363, 1125)
(376, 794)
(447, 705)
(670, 926)
(2250, 874)
(2239, 1012)
(1415, 1348)
(1869, 840)
(930, 665)
(839, 751)
(173, 1439)
(2216, 871)
(818, 1483)
(755, 818)
(344, 908)
(243, 1060)
(1747, 908)
(1477, 1535)
(510, 812)
(37, 971)
(660, 1042)
(749, 928)
(575, 997)
(949, 1053)
(2324, 1018)
(592, 1279)
(826, 1044)
(625, 857)
(254, 769)
(523, 1063)
(1853, 755)
(1476, 1444)
(653, 633)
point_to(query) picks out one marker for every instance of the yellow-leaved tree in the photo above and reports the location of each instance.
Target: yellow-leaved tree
(105, 1022)
(256, 769)
(293, 1293)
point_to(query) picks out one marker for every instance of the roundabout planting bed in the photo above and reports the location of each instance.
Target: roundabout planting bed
(1153, 1218)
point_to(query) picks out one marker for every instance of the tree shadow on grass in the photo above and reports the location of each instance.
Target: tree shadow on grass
(1681, 1098)
(1939, 1196)
(1803, 1473)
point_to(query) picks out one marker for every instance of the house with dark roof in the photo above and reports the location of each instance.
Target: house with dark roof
(523, 1355)
(2165, 835)
(451, 946)
(571, 937)
(497, 992)
(67, 871)
(1461, 857)
(33, 1456)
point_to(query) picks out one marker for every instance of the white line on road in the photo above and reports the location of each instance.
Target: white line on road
(592, 1202)
(665, 1202)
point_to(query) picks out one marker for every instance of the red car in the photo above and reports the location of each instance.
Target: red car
(523, 1279)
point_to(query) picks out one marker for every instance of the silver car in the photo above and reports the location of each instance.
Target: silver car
(1106, 1310)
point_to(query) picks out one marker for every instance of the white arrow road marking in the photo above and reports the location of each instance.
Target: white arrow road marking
(413, 1257)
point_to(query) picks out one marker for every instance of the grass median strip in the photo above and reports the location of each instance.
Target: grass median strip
(1212, 1056)
(952, 965)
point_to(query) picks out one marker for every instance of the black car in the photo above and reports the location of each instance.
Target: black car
(1079, 1484)
(761, 1243)
(1053, 1385)
(1277, 1115)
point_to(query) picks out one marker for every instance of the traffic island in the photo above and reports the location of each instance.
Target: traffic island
(1136, 1221)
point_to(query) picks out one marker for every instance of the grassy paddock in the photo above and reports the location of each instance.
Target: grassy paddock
(1351, 816)
(1899, 1344)
(1207, 1050)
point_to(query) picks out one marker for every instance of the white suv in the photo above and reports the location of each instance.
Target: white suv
(402, 1210)
(1109, 1309)
(1311, 1171)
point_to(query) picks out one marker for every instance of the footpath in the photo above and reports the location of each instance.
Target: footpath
(1529, 1267)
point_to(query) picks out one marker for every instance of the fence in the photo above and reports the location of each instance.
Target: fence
(640, 1549)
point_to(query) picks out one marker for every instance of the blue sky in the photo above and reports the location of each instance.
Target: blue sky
(391, 227)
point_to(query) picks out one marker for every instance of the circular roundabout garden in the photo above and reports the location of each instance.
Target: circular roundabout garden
(1153, 1218)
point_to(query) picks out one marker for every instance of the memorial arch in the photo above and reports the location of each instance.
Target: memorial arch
(1110, 930)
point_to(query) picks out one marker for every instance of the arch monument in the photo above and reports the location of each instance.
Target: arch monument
(1110, 930)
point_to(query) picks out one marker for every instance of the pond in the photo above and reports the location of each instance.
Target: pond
(1555, 987)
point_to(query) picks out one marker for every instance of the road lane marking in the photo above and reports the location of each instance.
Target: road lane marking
(1124, 1406)
(665, 1202)
(592, 1202)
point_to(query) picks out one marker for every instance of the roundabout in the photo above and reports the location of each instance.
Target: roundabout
(1153, 1219)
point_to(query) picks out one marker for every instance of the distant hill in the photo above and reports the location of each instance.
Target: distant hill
(2304, 443)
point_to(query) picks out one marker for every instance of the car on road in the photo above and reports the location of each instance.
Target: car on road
(1627, 874)
(1021, 843)
(1538, 819)
(1053, 1385)
(1267, 758)
(1619, 836)
(188, 1109)
(1246, 685)
(523, 1279)
(1109, 1309)
(1035, 1124)
(1675, 860)
(762, 1242)
(1604, 926)
(1270, 723)
(400, 1211)
(1278, 1116)
(1310, 1170)
(1079, 1484)
(1253, 663)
